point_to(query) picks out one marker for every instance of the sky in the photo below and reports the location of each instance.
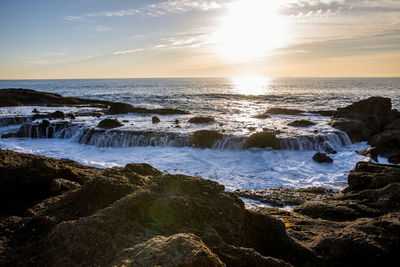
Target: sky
(51, 39)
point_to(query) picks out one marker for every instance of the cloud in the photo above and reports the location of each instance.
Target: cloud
(123, 52)
(158, 9)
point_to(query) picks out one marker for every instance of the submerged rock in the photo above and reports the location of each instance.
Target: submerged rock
(322, 158)
(205, 138)
(109, 124)
(285, 111)
(155, 119)
(200, 119)
(301, 123)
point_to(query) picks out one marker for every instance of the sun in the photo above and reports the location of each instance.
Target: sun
(250, 30)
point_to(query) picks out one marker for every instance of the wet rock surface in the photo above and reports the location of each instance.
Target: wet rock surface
(205, 138)
(123, 108)
(201, 119)
(322, 158)
(263, 139)
(109, 124)
(301, 123)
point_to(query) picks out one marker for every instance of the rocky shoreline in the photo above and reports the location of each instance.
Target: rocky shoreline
(59, 212)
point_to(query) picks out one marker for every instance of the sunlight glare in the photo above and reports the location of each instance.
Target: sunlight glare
(251, 85)
(251, 29)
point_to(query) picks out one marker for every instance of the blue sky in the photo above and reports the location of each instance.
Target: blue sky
(170, 38)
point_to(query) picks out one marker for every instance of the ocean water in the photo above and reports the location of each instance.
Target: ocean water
(232, 102)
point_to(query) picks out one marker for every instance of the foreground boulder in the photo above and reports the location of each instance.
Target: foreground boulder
(109, 124)
(133, 216)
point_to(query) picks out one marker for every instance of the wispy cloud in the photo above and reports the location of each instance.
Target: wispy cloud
(130, 51)
(159, 9)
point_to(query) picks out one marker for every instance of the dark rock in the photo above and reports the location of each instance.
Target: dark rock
(200, 119)
(155, 119)
(35, 111)
(284, 111)
(59, 184)
(252, 129)
(301, 123)
(370, 152)
(123, 108)
(120, 108)
(364, 118)
(323, 112)
(22, 97)
(176, 121)
(71, 115)
(176, 250)
(394, 159)
(281, 197)
(109, 124)
(262, 116)
(125, 121)
(386, 142)
(372, 176)
(263, 140)
(328, 211)
(205, 138)
(322, 158)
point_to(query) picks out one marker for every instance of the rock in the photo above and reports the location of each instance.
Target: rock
(176, 121)
(363, 119)
(120, 108)
(200, 119)
(155, 119)
(379, 106)
(142, 169)
(122, 217)
(58, 185)
(355, 129)
(35, 111)
(262, 116)
(109, 124)
(281, 197)
(372, 176)
(22, 97)
(252, 129)
(176, 250)
(387, 142)
(284, 111)
(263, 140)
(322, 158)
(301, 123)
(394, 159)
(205, 138)
(123, 108)
(370, 152)
(72, 115)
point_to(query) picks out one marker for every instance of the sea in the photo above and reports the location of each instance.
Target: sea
(232, 102)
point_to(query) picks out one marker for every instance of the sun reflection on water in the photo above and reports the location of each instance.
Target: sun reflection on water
(251, 85)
